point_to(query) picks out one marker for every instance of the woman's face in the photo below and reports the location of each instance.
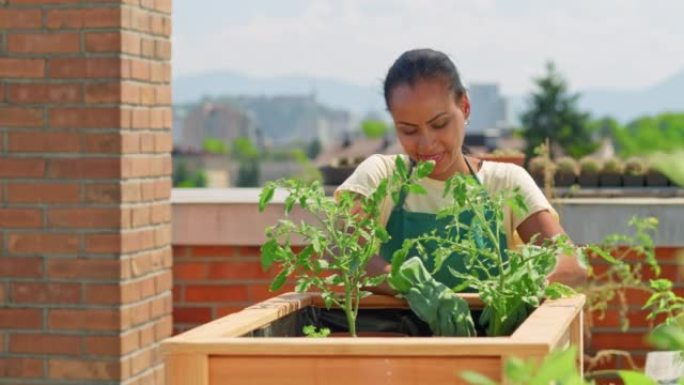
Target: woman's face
(430, 124)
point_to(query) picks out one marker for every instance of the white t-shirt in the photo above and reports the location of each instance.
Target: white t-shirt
(495, 177)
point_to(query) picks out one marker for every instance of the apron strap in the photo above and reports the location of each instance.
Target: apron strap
(472, 172)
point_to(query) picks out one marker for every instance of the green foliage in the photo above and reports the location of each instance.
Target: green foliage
(309, 171)
(374, 129)
(520, 284)
(671, 165)
(558, 367)
(244, 149)
(553, 113)
(626, 256)
(648, 135)
(248, 157)
(183, 178)
(249, 172)
(215, 146)
(622, 274)
(348, 233)
(313, 332)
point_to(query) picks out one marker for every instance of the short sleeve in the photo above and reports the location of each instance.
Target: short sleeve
(368, 175)
(533, 196)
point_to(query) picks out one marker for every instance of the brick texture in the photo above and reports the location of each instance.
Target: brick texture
(85, 254)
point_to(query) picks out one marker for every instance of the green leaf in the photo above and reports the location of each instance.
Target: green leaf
(401, 166)
(289, 203)
(279, 280)
(635, 378)
(424, 169)
(476, 378)
(375, 281)
(269, 253)
(416, 189)
(667, 337)
(266, 195)
(661, 284)
(557, 290)
(305, 255)
(557, 366)
(302, 285)
(381, 233)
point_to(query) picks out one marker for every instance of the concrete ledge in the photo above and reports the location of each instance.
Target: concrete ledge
(231, 217)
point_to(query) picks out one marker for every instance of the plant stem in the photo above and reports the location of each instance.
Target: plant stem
(349, 309)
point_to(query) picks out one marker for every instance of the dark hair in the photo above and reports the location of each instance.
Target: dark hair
(422, 64)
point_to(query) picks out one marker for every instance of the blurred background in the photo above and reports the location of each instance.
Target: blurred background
(270, 88)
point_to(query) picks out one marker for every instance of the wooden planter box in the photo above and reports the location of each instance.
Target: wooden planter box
(227, 351)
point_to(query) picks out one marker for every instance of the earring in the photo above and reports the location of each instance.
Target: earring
(467, 121)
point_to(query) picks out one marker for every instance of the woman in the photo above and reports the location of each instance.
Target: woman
(430, 108)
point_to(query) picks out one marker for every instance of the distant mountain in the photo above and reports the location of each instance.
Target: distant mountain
(624, 105)
(333, 93)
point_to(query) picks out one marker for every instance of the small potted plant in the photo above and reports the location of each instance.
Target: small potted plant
(634, 175)
(611, 175)
(566, 172)
(590, 168)
(539, 167)
(505, 155)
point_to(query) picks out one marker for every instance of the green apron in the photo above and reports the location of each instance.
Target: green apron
(404, 224)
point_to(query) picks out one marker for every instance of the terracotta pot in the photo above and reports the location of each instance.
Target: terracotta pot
(515, 159)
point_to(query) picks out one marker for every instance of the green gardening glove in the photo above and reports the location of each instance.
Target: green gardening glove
(433, 302)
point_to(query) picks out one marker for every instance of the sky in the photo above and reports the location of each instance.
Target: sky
(596, 44)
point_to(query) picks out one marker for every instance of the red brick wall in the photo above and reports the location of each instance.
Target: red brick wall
(85, 141)
(212, 281)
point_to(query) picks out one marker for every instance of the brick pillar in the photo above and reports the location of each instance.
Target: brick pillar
(85, 141)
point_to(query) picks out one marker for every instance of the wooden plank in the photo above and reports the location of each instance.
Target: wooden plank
(305, 370)
(365, 346)
(187, 369)
(576, 301)
(251, 318)
(577, 339)
(392, 302)
(546, 325)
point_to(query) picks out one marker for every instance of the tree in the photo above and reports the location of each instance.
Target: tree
(214, 146)
(247, 155)
(374, 129)
(650, 134)
(553, 113)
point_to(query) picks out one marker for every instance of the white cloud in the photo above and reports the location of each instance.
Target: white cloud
(606, 43)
